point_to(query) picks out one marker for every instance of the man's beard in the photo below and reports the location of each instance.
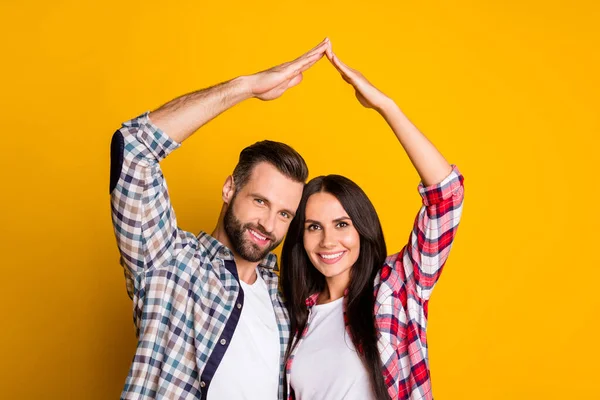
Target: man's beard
(235, 232)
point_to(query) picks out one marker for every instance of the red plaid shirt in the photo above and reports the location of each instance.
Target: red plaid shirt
(403, 288)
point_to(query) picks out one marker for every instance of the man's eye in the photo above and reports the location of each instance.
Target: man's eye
(285, 215)
(260, 201)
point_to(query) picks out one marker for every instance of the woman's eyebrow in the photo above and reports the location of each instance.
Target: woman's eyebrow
(339, 219)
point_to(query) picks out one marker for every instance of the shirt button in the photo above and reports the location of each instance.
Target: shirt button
(239, 305)
(223, 342)
(202, 384)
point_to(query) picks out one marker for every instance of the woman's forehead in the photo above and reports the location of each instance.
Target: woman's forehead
(324, 206)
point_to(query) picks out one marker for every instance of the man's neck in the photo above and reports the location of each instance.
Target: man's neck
(246, 269)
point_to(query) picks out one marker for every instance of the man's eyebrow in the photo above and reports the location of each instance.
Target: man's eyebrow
(260, 196)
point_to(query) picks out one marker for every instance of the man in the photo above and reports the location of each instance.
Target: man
(209, 318)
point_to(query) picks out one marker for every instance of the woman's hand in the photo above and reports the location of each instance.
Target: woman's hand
(367, 94)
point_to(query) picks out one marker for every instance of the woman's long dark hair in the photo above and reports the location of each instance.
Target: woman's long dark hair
(300, 279)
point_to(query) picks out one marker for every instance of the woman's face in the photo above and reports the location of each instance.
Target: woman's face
(330, 238)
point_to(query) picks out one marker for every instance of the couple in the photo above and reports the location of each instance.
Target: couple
(210, 317)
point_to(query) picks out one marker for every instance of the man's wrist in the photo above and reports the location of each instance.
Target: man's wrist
(243, 86)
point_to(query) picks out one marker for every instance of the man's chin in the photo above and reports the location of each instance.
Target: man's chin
(254, 253)
(252, 258)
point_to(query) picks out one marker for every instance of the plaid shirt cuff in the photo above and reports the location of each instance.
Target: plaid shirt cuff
(437, 193)
(158, 143)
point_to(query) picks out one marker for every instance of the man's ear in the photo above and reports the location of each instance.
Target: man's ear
(228, 190)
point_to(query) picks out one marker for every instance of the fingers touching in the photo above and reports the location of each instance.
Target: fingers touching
(293, 70)
(307, 60)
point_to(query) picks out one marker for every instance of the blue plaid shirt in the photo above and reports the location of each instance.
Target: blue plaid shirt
(185, 289)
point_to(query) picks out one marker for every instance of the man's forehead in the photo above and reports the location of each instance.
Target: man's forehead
(266, 172)
(266, 179)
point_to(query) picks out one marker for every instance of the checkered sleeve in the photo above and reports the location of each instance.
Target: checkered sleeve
(144, 221)
(391, 342)
(433, 232)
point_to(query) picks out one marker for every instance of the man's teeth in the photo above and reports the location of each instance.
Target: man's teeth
(257, 235)
(331, 256)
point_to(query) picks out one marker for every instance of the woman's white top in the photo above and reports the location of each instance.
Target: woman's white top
(326, 365)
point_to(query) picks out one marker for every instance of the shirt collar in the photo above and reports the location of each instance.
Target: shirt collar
(217, 249)
(312, 299)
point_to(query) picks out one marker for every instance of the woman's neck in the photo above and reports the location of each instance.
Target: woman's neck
(334, 288)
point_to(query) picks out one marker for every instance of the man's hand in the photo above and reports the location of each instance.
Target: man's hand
(272, 83)
(367, 94)
(182, 116)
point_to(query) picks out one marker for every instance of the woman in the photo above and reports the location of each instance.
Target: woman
(358, 319)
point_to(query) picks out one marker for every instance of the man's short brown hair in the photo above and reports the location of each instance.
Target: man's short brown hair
(287, 161)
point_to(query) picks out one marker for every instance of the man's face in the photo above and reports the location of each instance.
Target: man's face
(259, 214)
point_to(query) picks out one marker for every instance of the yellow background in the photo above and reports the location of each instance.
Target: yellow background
(507, 90)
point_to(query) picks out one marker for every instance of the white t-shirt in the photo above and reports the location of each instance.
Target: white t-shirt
(326, 365)
(250, 367)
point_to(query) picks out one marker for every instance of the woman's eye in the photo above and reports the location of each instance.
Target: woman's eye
(343, 224)
(313, 227)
